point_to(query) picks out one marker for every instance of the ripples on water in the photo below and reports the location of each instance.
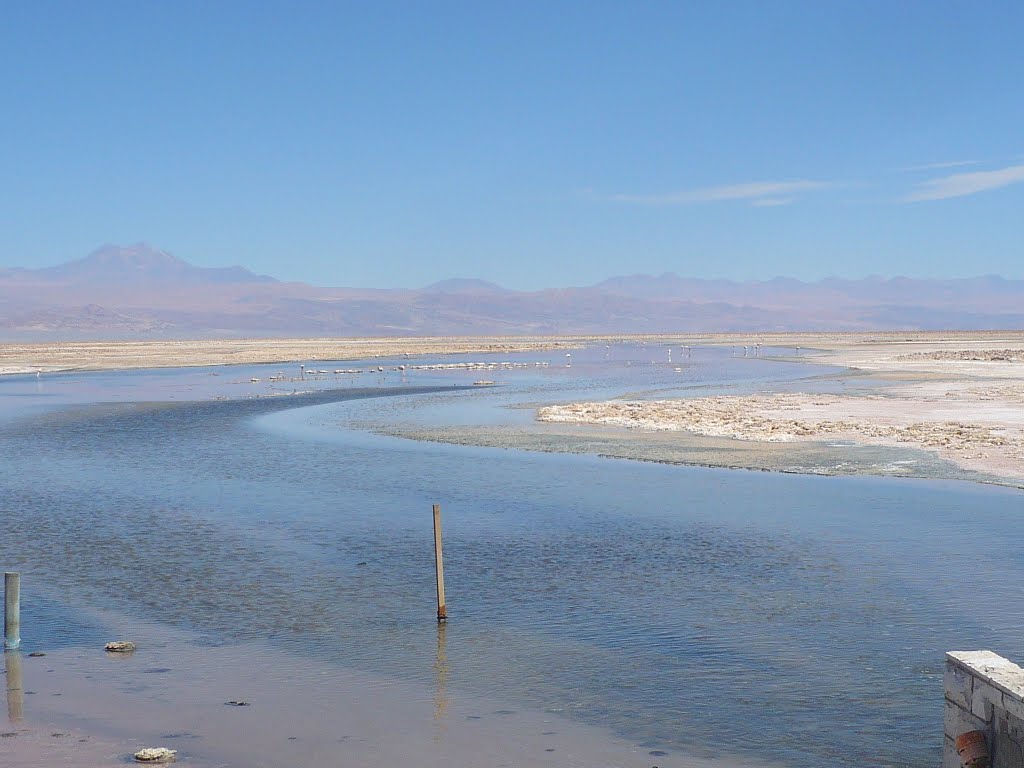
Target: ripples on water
(790, 618)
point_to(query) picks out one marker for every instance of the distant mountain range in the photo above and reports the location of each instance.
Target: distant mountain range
(136, 264)
(142, 292)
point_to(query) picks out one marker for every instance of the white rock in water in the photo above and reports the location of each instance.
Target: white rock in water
(120, 646)
(155, 755)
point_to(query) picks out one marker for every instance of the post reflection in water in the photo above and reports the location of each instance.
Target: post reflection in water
(441, 682)
(15, 687)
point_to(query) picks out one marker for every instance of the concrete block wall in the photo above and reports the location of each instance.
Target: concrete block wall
(985, 692)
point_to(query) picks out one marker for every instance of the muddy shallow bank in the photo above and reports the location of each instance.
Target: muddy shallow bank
(82, 708)
(831, 458)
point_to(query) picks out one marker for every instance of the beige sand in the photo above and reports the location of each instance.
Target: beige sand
(960, 395)
(104, 355)
(29, 358)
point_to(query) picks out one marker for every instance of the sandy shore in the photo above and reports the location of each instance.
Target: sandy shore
(960, 396)
(122, 355)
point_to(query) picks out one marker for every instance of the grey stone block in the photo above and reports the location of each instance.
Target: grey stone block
(1006, 753)
(993, 669)
(950, 759)
(959, 685)
(985, 697)
(1014, 707)
(958, 720)
(1015, 727)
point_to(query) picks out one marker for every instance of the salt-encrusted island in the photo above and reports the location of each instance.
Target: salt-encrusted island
(958, 395)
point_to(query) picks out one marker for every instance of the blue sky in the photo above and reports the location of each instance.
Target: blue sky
(533, 144)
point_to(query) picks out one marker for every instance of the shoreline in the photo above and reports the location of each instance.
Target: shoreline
(79, 705)
(49, 357)
(961, 399)
(54, 357)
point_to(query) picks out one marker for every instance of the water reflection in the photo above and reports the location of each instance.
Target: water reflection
(15, 686)
(441, 700)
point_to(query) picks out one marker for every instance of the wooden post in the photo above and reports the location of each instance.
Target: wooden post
(12, 610)
(442, 611)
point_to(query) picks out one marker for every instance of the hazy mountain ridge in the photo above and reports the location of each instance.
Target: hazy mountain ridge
(143, 292)
(464, 285)
(139, 263)
(784, 291)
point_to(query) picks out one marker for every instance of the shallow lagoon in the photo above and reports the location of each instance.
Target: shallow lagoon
(784, 618)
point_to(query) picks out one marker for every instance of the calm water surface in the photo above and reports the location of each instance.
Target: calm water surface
(791, 618)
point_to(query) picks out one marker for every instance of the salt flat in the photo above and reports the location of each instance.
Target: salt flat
(105, 355)
(865, 349)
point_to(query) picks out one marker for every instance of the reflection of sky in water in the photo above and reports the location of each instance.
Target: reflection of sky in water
(627, 365)
(795, 618)
(598, 373)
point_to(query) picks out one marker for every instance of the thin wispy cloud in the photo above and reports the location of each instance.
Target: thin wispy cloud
(963, 184)
(756, 191)
(772, 202)
(939, 166)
